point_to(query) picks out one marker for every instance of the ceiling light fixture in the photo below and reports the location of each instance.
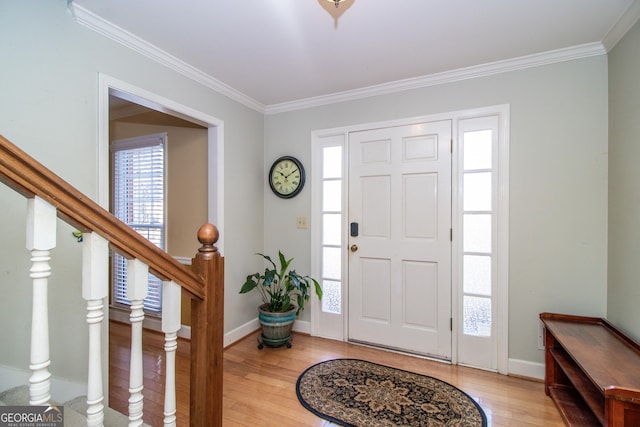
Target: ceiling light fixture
(336, 2)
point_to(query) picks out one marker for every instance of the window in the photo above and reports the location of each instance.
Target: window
(332, 229)
(477, 239)
(138, 199)
(482, 254)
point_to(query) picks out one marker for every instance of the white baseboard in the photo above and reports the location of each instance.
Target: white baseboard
(253, 325)
(61, 389)
(302, 326)
(524, 368)
(122, 315)
(150, 322)
(240, 332)
(184, 332)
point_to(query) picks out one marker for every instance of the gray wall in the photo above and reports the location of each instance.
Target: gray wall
(623, 296)
(48, 107)
(558, 210)
(558, 188)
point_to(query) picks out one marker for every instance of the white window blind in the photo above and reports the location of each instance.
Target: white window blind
(138, 199)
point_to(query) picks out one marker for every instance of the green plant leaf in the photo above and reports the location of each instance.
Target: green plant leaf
(250, 284)
(279, 286)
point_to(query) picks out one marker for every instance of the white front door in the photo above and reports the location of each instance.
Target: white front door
(400, 254)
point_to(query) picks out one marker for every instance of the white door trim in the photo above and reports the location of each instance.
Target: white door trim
(502, 315)
(108, 85)
(111, 86)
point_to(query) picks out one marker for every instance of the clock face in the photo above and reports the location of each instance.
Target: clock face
(286, 177)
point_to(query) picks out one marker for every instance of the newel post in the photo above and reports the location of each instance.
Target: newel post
(207, 329)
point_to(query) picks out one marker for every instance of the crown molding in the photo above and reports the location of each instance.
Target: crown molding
(101, 26)
(520, 63)
(119, 35)
(622, 25)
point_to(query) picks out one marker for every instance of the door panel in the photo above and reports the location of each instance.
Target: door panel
(400, 263)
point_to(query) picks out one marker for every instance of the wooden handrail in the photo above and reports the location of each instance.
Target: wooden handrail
(203, 281)
(27, 176)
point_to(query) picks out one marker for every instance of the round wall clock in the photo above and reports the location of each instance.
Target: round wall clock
(286, 177)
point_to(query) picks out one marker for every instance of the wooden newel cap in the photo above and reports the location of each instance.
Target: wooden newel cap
(208, 235)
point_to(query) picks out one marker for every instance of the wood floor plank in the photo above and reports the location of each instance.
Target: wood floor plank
(259, 385)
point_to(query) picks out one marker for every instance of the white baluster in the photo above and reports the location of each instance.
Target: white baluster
(95, 287)
(137, 284)
(41, 238)
(170, 326)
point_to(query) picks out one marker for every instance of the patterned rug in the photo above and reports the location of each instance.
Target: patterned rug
(356, 393)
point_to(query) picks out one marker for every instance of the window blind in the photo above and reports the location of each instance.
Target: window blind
(138, 199)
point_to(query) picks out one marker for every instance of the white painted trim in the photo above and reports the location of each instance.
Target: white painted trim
(524, 368)
(183, 260)
(184, 332)
(215, 177)
(622, 26)
(523, 62)
(302, 326)
(101, 26)
(152, 323)
(327, 325)
(502, 317)
(109, 85)
(121, 314)
(240, 332)
(62, 389)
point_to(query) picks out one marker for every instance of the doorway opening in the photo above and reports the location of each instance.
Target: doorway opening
(129, 110)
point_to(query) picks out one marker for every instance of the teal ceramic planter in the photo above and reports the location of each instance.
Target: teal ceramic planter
(276, 327)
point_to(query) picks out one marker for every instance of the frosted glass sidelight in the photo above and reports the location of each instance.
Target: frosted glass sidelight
(477, 150)
(477, 191)
(332, 162)
(477, 233)
(331, 263)
(331, 296)
(332, 196)
(476, 273)
(331, 229)
(477, 316)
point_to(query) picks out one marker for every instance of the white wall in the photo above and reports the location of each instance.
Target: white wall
(48, 107)
(624, 191)
(558, 167)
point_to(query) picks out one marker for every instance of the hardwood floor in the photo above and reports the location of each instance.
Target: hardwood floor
(259, 385)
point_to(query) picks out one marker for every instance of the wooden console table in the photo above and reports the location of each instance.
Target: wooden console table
(592, 371)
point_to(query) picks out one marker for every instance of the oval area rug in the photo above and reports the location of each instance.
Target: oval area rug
(357, 393)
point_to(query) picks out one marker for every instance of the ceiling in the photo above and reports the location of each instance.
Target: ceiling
(274, 52)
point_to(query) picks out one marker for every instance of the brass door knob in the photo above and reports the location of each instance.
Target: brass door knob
(354, 248)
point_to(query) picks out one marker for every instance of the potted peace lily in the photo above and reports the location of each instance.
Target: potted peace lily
(284, 294)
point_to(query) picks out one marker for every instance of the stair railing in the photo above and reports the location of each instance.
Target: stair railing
(49, 197)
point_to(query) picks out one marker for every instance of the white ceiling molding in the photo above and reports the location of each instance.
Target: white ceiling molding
(624, 24)
(113, 32)
(551, 57)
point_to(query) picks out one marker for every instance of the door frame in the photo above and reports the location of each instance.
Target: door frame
(340, 136)
(107, 86)
(215, 130)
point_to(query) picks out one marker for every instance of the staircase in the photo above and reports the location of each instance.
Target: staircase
(49, 197)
